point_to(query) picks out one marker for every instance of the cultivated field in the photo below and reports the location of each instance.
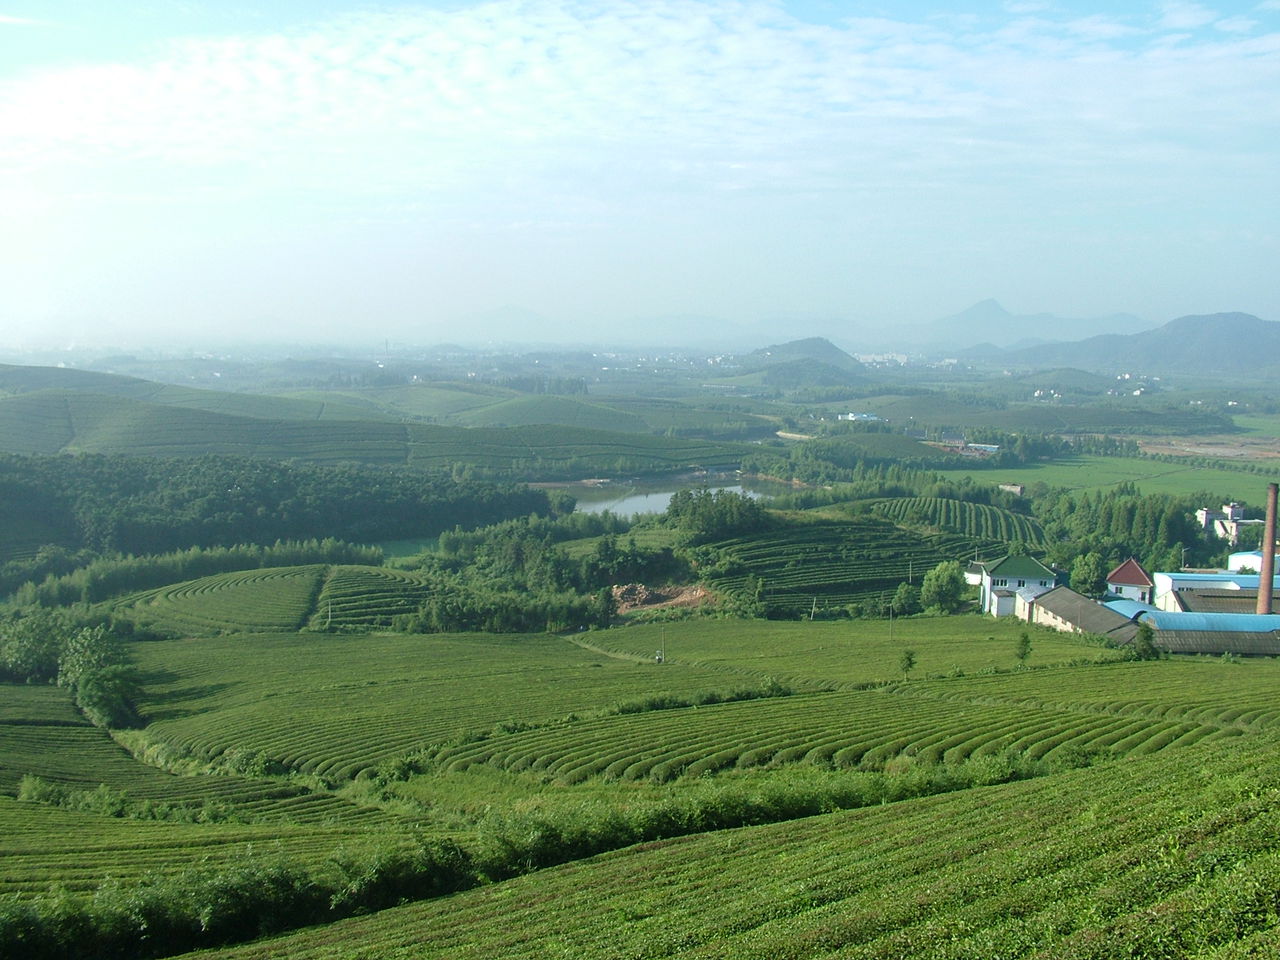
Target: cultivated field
(978, 833)
(1150, 476)
(1171, 855)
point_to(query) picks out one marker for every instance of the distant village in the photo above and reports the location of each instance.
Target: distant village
(1189, 611)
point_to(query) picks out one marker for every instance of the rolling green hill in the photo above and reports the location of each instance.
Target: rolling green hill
(527, 411)
(535, 750)
(54, 421)
(19, 380)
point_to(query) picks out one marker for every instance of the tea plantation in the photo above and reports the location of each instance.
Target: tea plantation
(771, 789)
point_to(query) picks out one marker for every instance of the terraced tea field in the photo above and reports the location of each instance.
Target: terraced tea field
(55, 421)
(866, 729)
(977, 520)
(43, 847)
(367, 596)
(42, 735)
(1176, 821)
(337, 705)
(273, 598)
(1172, 855)
(836, 563)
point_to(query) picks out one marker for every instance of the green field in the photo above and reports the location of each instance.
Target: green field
(1150, 476)
(502, 740)
(977, 520)
(829, 565)
(847, 653)
(58, 421)
(1258, 424)
(1169, 856)
(337, 705)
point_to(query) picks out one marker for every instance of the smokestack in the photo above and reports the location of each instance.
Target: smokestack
(1266, 580)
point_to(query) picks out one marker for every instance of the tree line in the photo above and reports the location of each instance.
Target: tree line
(88, 506)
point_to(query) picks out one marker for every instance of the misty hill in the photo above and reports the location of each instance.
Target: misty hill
(16, 380)
(66, 421)
(1235, 344)
(817, 349)
(988, 321)
(796, 374)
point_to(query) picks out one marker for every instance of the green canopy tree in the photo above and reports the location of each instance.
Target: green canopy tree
(943, 587)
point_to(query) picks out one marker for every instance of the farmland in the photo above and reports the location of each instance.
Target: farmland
(306, 743)
(837, 786)
(1151, 476)
(1067, 866)
(47, 422)
(833, 563)
(977, 520)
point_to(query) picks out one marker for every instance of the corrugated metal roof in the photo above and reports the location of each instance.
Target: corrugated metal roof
(1085, 614)
(1218, 642)
(1129, 608)
(1214, 622)
(1222, 601)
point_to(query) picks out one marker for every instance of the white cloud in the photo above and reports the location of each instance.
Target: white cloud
(8, 21)
(1236, 25)
(1181, 15)
(608, 118)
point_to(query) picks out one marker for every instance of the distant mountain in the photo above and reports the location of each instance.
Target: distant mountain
(989, 321)
(817, 349)
(1236, 344)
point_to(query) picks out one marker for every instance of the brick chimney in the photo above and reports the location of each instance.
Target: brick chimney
(1267, 576)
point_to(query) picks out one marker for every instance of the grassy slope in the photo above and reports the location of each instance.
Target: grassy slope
(302, 700)
(1065, 867)
(58, 421)
(335, 704)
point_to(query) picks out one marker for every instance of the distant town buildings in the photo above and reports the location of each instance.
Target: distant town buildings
(1225, 523)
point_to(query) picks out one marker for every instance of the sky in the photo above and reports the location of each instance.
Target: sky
(179, 171)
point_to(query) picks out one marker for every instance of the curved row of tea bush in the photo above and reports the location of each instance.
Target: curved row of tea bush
(978, 520)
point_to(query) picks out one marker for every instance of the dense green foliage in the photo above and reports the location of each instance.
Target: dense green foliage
(1121, 523)
(142, 506)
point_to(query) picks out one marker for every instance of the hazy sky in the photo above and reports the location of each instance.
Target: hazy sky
(597, 169)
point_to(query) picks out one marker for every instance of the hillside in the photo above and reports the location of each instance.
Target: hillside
(60, 421)
(25, 380)
(817, 349)
(1224, 344)
(1081, 798)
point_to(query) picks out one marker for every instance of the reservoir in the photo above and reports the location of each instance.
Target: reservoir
(628, 499)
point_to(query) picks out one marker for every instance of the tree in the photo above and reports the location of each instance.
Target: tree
(1144, 647)
(907, 662)
(1087, 574)
(1023, 648)
(906, 599)
(943, 587)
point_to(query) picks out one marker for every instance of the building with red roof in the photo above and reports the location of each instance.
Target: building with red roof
(1130, 582)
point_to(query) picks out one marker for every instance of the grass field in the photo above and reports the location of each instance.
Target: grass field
(847, 653)
(1151, 476)
(1259, 424)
